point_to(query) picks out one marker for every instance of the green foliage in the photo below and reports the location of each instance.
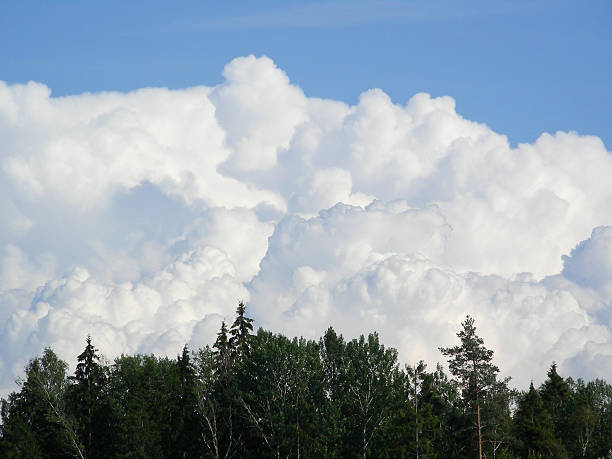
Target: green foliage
(266, 395)
(534, 427)
(89, 403)
(470, 364)
(35, 420)
(240, 333)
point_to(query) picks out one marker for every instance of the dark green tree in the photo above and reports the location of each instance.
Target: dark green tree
(332, 350)
(142, 388)
(425, 406)
(216, 391)
(222, 353)
(240, 333)
(186, 423)
(533, 428)
(88, 397)
(555, 393)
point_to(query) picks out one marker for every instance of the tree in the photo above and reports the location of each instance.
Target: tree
(371, 371)
(445, 421)
(142, 389)
(555, 393)
(332, 350)
(88, 397)
(281, 397)
(415, 378)
(240, 333)
(533, 427)
(470, 363)
(185, 419)
(35, 419)
(222, 353)
(216, 387)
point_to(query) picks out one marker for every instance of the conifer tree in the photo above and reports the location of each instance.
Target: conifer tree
(186, 424)
(87, 395)
(222, 352)
(217, 397)
(470, 363)
(555, 393)
(533, 427)
(240, 333)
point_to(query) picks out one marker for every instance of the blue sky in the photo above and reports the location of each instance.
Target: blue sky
(522, 67)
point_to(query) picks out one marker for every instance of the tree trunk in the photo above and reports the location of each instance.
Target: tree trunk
(416, 415)
(364, 443)
(479, 434)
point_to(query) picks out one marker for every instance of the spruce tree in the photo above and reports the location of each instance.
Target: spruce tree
(240, 333)
(221, 403)
(88, 398)
(555, 393)
(533, 427)
(186, 422)
(222, 353)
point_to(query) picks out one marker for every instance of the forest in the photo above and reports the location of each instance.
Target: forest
(266, 395)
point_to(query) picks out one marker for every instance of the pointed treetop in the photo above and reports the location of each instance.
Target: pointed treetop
(241, 332)
(221, 344)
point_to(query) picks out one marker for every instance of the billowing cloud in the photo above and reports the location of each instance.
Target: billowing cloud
(143, 217)
(155, 315)
(379, 269)
(590, 263)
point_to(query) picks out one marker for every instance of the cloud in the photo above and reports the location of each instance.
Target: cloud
(195, 292)
(143, 217)
(379, 269)
(590, 262)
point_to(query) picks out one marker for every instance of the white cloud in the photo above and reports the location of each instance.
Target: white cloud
(590, 263)
(143, 218)
(361, 270)
(154, 315)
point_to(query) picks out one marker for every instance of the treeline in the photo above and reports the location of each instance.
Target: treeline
(265, 395)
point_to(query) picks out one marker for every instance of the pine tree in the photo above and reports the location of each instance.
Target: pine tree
(470, 363)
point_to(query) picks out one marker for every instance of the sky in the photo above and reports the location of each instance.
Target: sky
(388, 166)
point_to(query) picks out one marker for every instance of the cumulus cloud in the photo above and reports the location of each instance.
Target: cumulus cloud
(159, 314)
(143, 217)
(590, 262)
(378, 269)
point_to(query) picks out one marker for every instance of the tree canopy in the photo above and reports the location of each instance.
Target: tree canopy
(267, 395)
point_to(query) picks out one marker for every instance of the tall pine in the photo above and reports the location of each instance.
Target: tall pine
(471, 364)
